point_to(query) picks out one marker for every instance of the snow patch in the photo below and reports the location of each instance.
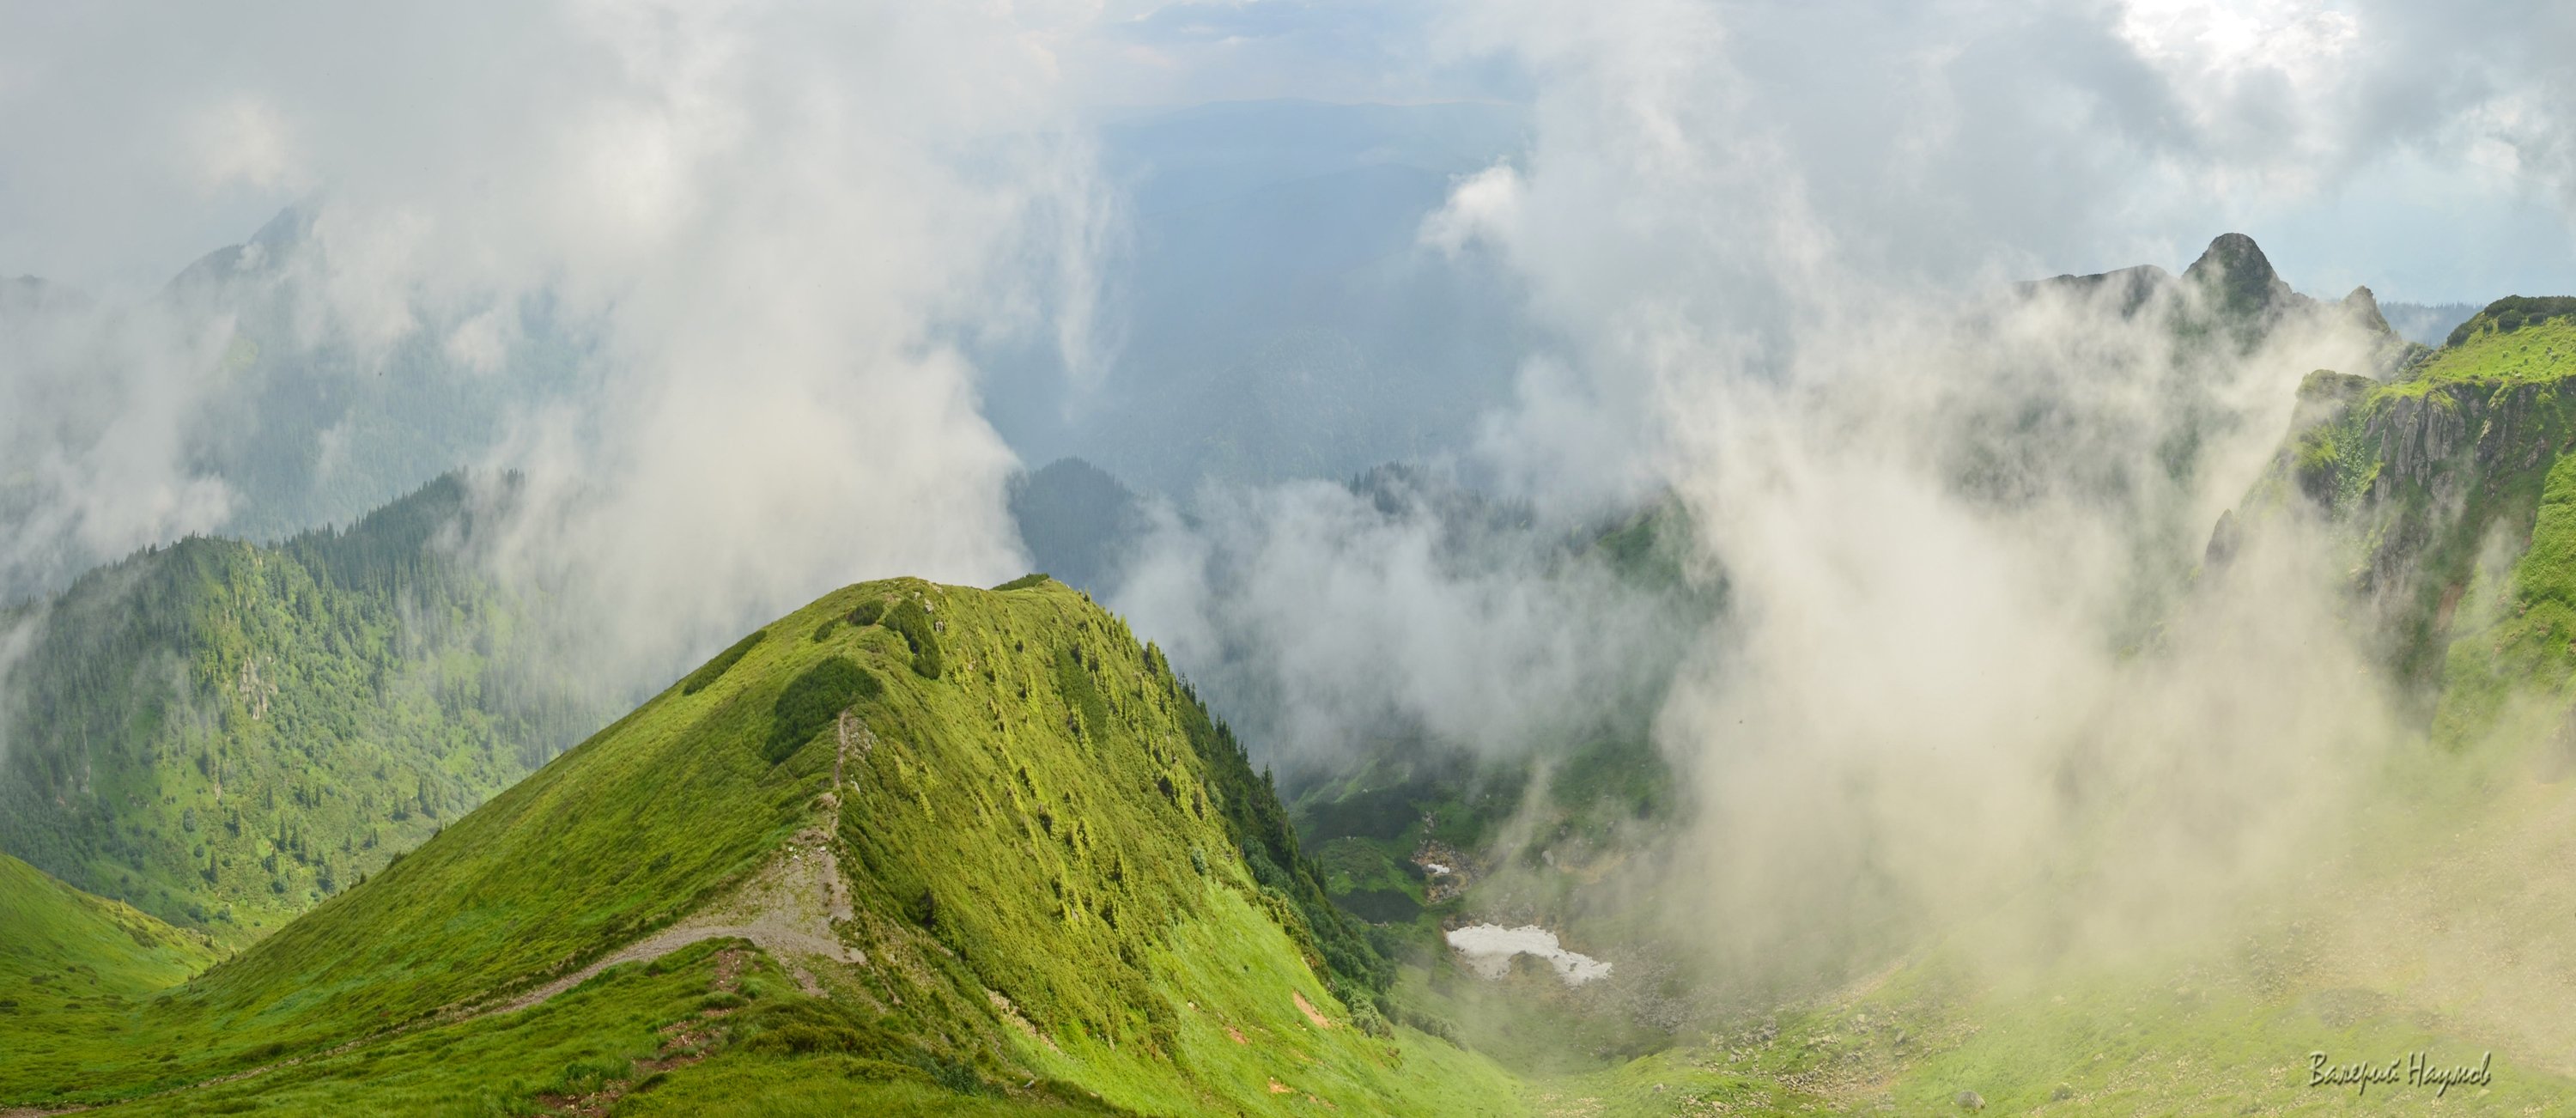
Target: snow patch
(1488, 950)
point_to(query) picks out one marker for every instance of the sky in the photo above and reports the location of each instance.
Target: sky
(783, 229)
(2410, 146)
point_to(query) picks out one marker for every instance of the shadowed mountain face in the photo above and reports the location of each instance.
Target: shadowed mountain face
(2459, 455)
(1077, 522)
(2239, 277)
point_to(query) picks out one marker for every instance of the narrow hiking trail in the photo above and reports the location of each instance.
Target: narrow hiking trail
(788, 909)
(684, 1042)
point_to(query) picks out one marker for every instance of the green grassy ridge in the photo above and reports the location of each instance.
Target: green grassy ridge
(73, 967)
(1163, 911)
(616, 837)
(613, 839)
(2484, 351)
(1061, 824)
(222, 734)
(2510, 314)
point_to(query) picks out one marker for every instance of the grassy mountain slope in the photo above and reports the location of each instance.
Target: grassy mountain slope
(223, 734)
(73, 966)
(2442, 931)
(1045, 878)
(59, 944)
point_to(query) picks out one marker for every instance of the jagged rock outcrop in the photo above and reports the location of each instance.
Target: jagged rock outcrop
(2363, 306)
(2427, 473)
(2232, 293)
(2240, 281)
(2480, 426)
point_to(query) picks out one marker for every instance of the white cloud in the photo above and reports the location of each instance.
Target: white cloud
(244, 142)
(1480, 206)
(772, 219)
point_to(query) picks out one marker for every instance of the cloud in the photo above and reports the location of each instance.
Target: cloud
(95, 447)
(244, 142)
(1769, 249)
(1196, 51)
(1325, 619)
(1967, 648)
(1481, 206)
(767, 224)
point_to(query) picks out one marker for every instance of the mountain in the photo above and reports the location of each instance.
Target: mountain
(1077, 521)
(910, 849)
(244, 387)
(312, 422)
(223, 733)
(61, 945)
(2231, 291)
(2440, 472)
(2426, 475)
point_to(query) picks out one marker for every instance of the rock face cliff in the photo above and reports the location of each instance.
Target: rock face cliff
(2453, 435)
(2421, 475)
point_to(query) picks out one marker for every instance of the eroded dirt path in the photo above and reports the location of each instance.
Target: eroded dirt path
(787, 909)
(684, 1042)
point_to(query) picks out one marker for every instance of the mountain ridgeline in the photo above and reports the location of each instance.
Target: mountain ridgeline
(912, 846)
(223, 733)
(2232, 294)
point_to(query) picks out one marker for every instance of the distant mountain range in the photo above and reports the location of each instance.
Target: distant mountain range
(237, 376)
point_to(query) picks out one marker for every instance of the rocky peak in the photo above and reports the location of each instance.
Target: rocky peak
(2365, 307)
(2235, 271)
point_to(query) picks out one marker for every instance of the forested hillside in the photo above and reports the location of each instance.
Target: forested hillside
(223, 734)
